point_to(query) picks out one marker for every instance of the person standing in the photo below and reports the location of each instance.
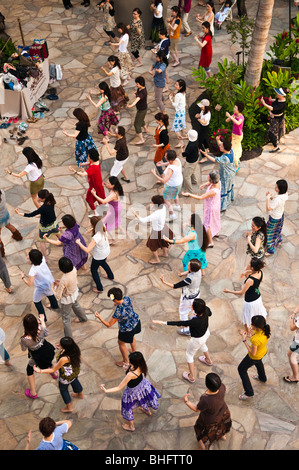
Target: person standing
(94, 177)
(190, 291)
(204, 118)
(40, 351)
(241, 4)
(214, 420)
(128, 323)
(107, 117)
(205, 43)
(121, 153)
(140, 102)
(53, 435)
(123, 53)
(84, 141)
(158, 70)
(185, 7)
(294, 349)
(257, 349)
(34, 172)
(191, 155)
(42, 278)
(253, 304)
(5, 222)
(237, 132)
(277, 110)
(4, 275)
(48, 224)
(68, 366)
(118, 95)
(227, 171)
(68, 241)
(174, 24)
(172, 179)
(178, 101)
(156, 239)
(3, 353)
(212, 204)
(199, 332)
(257, 238)
(109, 21)
(162, 140)
(275, 207)
(136, 35)
(100, 247)
(67, 293)
(139, 392)
(158, 21)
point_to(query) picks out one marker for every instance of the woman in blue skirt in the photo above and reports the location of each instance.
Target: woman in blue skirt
(84, 141)
(139, 392)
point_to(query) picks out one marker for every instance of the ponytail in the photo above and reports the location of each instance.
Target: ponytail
(259, 322)
(48, 197)
(261, 224)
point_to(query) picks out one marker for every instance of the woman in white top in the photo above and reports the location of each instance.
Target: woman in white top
(203, 119)
(34, 172)
(100, 247)
(118, 95)
(158, 22)
(123, 53)
(178, 101)
(275, 205)
(172, 179)
(208, 16)
(159, 230)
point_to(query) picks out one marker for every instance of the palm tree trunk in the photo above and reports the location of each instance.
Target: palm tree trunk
(259, 41)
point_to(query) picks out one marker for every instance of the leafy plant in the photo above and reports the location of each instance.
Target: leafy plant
(241, 32)
(7, 48)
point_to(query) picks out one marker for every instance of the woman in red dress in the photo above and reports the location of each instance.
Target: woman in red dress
(94, 177)
(205, 42)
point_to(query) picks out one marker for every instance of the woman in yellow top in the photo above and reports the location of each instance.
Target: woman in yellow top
(174, 24)
(256, 351)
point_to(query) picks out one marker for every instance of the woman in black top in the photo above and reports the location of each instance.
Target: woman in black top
(141, 105)
(253, 304)
(139, 392)
(277, 109)
(199, 331)
(47, 223)
(84, 141)
(162, 140)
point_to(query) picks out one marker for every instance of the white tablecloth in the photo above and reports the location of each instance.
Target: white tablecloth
(20, 103)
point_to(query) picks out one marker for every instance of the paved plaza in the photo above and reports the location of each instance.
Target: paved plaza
(268, 421)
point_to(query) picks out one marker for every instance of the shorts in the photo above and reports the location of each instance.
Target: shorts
(117, 167)
(128, 336)
(195, 344)
(171, 192)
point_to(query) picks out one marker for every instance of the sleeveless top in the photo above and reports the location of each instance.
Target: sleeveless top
(105, 106)
(253, 293)
(134, 382)
(67, 373)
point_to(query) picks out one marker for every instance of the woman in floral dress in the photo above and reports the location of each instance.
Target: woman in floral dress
(137, 35)
(107, 117)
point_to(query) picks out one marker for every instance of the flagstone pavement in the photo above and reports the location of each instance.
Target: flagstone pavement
(269, 421)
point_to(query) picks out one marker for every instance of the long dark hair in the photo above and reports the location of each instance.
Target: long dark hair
(47, 196)
(137, 360)
(200, 230)
(30, 325)
(162, 117)
(162, 56)
(116, 185)
(207, 25)
(262, 227)
(32, 156)
(123, 27)
(113, 58)
(200, 308)
(105, 87)
(81, 116)
(71, 350)
(182, 85)
(259, 322)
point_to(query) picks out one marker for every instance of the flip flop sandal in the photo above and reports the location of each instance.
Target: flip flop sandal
(28, 394)
(32, 119)
(203, 360)
(289, 381)
(42, 107)
(186, 377)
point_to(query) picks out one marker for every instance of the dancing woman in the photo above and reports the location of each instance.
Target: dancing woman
(275, 207)
(139, 392)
